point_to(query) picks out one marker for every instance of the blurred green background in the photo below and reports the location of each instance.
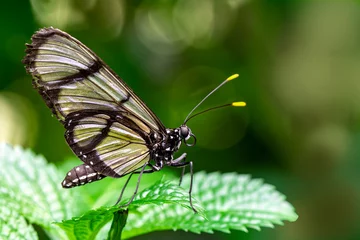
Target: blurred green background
(299, 66)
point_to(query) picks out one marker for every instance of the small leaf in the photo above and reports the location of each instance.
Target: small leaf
(14, 226)
(232, 201)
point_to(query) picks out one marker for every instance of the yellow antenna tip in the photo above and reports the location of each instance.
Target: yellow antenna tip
(238, 104)
(232, 77)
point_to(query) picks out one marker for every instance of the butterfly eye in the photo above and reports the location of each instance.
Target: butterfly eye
(185, 132)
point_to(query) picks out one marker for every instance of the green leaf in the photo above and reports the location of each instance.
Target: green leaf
(232, 201)
(32, 187)
(161, 194)
(14, 226)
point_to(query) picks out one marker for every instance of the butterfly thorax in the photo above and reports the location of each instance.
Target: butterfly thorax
(165, 145)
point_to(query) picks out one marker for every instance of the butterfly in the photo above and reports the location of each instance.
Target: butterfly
(107, 125)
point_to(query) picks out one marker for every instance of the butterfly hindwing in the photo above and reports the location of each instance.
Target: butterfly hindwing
(110, 143)
(107, 125)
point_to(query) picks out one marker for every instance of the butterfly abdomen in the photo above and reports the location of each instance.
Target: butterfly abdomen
(81, 175)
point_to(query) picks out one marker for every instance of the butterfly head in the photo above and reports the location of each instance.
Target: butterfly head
(185, 134)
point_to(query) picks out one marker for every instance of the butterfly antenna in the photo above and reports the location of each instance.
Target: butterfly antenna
(234, 104)
(222, 84)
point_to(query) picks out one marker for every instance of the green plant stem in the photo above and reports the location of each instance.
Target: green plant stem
(118, 224)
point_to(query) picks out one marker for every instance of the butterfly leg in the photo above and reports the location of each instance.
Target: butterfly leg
(182, 175)
(123, 189)
(183, 165)
(153, 169)
(177, 160)
(128, 180)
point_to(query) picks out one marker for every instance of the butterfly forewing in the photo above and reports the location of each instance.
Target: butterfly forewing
(107, 125)
(66, 71)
